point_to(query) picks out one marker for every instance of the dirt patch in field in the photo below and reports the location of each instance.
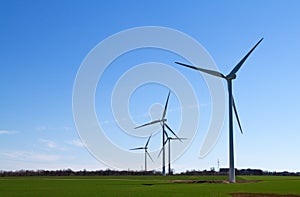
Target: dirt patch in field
(199, 181)
(262, 195)
(213, 181)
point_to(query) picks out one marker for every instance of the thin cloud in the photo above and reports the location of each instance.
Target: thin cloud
(107, 122)
(61, 128)
(30, 156)
(41, 128)
(77, 143)
(67, 128)
(7, 132)
(51, 144)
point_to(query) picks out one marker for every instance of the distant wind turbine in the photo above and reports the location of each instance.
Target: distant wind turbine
(228, 78)
(146, 151)
(163, 123)
(168, 140)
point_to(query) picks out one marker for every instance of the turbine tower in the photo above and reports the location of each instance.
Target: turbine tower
(228, 78)
(146, 152)
(163, 123)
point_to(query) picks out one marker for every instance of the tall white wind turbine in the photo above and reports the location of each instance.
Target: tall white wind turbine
(163, 122)
(228, 78)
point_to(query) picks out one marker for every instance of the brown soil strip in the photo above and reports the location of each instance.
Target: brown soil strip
(262, 195)
(199, 181)
(213, 181)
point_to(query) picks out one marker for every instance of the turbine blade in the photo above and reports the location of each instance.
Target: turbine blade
(166, 134)
(149, 123)
(239, 65)
(211, 72)
(139, 148)
(179, 138)
(166, 142)
(159, 152)
(148, 141)
(166, 106)
(236, 115)
(149, 156)
(162, 148)
(173, 132)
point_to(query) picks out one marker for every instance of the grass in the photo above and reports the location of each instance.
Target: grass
(143, 186)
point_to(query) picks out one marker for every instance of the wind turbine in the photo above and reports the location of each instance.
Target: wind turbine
(163, 123)
(228, 78)
(168, 140)
(146, 151)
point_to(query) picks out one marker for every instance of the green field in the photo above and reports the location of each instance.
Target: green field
(144, 186)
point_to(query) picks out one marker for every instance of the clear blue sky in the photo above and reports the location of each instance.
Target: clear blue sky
(42, 44)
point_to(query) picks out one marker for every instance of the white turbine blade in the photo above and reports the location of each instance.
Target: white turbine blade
(239, 65)
(211, 72)
(162, 148)
(178, 138)
(173, 132)
(148, 141)
(184, 138)
(166, 134)
(166, 106)
(149, 123)
(139, 148)
(236, 115)
(159, 152)
(149, 156)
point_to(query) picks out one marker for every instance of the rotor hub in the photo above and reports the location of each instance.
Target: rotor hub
(230, 77)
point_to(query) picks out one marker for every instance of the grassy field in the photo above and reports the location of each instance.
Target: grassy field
(144, 186)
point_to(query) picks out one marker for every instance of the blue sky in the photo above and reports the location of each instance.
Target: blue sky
(44, 42)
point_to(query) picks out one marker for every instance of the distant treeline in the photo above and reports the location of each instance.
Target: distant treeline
(225, 171)
(109, 172)
(69, 172)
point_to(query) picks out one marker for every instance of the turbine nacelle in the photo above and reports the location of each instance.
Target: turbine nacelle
(230, 76)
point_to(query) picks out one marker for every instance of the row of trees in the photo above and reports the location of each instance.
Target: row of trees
(108, 172)
(225, 171)
(69, 172)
